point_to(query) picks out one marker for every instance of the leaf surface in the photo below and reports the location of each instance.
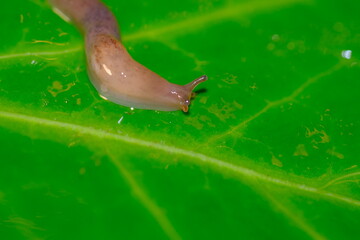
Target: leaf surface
(269, 149)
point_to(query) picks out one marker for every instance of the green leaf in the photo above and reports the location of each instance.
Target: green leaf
(269, 149)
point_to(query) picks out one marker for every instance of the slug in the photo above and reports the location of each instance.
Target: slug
(113, 72)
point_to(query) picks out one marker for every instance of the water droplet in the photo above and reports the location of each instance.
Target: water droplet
(120, 120)
(346, 54)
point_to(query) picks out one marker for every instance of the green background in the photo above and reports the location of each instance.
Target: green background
(269, 149)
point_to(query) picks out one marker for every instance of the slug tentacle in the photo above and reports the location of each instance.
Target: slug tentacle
(113, 72)
(196, 82)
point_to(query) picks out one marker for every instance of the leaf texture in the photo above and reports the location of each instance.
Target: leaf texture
(269, 149)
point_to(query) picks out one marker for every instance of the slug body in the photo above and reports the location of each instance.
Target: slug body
(112, 71)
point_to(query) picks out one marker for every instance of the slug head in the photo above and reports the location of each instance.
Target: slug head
(122, 80)
(186, 93)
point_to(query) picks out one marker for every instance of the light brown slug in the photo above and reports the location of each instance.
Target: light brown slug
(116, 76)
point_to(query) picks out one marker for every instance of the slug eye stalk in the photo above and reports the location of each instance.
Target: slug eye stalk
(189, 88)
(196, 82)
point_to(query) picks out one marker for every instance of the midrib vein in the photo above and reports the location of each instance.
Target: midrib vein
(201, 159)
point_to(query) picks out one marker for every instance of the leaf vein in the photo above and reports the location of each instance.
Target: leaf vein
(34, 54)
(216, 164)
(230, 11)
(273, 104)
(146, 201)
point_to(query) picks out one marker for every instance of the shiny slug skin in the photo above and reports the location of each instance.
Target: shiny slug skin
(114, 73)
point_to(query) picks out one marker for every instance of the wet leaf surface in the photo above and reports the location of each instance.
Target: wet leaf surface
(269, 149)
